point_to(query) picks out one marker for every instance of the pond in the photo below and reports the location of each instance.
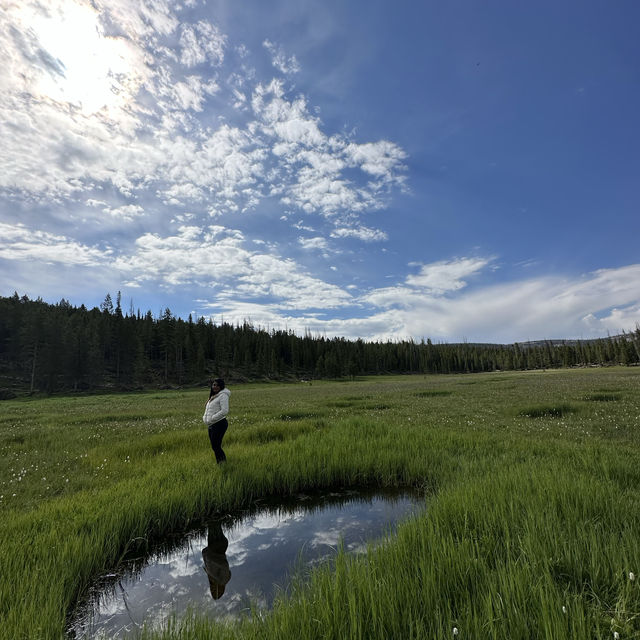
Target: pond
(239, 560)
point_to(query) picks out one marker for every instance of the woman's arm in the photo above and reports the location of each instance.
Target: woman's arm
(208, 412)
(211, 417)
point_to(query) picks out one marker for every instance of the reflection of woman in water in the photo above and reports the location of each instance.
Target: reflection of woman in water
(215, 560)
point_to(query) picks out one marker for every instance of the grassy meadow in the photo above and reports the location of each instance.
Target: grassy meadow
(532, 525)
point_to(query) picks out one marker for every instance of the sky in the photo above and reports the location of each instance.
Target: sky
(459, 171)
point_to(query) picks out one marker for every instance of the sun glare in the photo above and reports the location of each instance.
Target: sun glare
(96, 72)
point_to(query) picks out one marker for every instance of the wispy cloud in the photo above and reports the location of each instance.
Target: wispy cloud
(531, 309)
(280, 61)
(438, 304)
(361, 233)
(443, 276)
(22, 244)
(318, 243)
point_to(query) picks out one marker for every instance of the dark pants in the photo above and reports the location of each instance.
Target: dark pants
(216, 433)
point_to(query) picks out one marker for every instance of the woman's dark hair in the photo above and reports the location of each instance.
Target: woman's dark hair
(220, 382)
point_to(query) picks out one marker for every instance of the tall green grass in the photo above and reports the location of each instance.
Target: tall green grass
(531, 530)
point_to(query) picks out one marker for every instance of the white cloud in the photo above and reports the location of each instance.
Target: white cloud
(202, 42)
(387, 297)
(190, 94)
(506, 313)
(147, 18)
(289, 286)
(439, 277)
(240, 282)
(377, 326)
(218, 260)
(126, 212)
(286, 121)
(361, 233)
(626, 319)
(318, 243)
(380, 159)
(189, 257)
(117, 107)
(300, 226)
(536, 308)
(279, 59)
(317, 162)
(17, 243)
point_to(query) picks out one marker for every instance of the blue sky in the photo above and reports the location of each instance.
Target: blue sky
(458, 171)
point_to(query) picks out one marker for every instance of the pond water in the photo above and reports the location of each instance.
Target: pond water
(239, 560)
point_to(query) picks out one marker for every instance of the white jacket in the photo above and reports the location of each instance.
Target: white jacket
(217, 407)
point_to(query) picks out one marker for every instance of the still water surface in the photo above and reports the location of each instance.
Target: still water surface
(239, 559)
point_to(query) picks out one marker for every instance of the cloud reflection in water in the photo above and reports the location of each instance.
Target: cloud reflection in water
(242, 559)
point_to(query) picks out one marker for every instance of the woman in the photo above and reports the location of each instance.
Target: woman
(215, 416)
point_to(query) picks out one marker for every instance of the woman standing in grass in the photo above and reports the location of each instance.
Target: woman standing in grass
(215, 416)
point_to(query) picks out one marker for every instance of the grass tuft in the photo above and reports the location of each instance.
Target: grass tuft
(554, 411)
(296, 415)
(603, 397)
(433, 393)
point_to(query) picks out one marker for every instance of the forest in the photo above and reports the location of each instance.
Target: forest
(54, 348)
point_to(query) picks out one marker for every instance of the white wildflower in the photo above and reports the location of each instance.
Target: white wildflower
(632, 576)
(455, 631)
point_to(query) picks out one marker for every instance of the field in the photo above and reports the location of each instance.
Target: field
(532, 526)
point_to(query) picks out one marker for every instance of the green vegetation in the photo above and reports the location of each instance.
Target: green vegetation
(57, 348)
(531, 529)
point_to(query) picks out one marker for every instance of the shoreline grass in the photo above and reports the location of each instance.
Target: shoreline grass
(528, 515)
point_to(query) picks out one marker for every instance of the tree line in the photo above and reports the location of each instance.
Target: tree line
(59, 347)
